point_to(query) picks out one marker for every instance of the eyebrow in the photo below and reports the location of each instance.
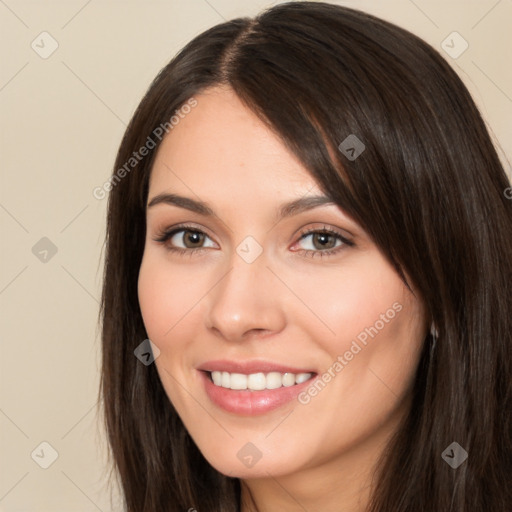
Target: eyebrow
(286, 210)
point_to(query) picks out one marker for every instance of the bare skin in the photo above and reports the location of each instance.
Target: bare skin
(296, 304)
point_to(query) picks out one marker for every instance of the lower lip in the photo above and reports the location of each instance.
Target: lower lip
(251, 403)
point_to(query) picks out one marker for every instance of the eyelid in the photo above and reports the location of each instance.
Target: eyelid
(164, 234)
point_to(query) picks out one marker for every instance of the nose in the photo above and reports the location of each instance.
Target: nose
(246, 302)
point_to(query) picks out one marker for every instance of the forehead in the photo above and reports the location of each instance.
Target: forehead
(221, 148)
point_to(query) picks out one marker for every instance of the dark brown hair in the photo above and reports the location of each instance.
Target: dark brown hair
(428, 189)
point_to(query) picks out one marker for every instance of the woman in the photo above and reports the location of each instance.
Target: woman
(307, 219)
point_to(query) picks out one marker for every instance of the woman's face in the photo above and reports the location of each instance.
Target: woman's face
(258, 278)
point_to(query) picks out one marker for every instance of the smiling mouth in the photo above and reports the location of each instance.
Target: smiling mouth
(257, 381)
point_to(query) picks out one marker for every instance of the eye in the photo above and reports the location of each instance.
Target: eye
(313, 243)
(321, 242)
(185, 239)
(189, 239)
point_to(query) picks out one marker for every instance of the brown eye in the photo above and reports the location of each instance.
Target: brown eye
(320, 241)
(184, 239)
(192, 239)
(323, 241)
(188, 239)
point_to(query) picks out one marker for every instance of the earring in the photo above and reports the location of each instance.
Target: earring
(434, 334)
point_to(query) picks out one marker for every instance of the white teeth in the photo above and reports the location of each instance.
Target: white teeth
(217, 378)
(238, 381)
(302, 377)
(288, 379)
(258, 381)
(274, 380)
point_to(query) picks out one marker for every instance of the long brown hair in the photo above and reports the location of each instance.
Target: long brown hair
(429, 190)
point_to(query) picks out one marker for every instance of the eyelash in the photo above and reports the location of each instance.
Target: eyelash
(164, 236)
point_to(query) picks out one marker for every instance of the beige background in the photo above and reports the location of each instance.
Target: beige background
(62, 120)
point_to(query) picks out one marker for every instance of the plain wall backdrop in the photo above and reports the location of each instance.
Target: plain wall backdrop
(72, 72)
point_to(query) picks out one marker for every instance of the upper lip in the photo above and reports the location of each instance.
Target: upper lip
(251, 366)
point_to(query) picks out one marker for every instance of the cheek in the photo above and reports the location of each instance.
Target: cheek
(167, 296)
(168, 293)
(345, 301)
(365, 314)
(155, 298)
